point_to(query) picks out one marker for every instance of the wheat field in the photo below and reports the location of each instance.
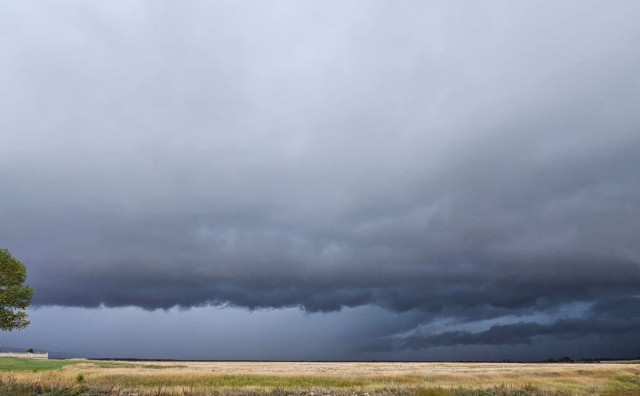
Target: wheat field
(348, 378)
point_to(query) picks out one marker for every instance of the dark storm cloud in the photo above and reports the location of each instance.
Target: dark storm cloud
(445, 162)
(521, 333)
(621, 317)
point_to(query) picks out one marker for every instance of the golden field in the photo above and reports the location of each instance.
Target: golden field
(199, 378)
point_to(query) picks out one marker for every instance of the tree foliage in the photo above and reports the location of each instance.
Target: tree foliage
(14, 295)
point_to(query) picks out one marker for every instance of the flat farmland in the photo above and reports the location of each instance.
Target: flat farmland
(78, 377)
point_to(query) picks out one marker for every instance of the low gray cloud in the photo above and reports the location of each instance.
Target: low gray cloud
(527, 332)
(520, 333)
(432, 162)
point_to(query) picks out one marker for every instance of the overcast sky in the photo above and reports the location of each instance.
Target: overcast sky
(323, 179)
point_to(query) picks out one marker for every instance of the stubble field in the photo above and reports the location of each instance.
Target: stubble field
(87, 377)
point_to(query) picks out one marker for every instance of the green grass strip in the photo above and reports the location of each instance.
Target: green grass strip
(25, 364)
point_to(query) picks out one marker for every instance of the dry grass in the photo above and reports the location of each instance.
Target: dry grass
(191, 378)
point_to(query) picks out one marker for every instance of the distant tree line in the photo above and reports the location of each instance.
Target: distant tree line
(567, 359)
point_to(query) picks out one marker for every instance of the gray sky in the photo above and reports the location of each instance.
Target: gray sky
(324, 179)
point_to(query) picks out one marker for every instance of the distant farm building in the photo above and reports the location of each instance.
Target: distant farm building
(28, 355)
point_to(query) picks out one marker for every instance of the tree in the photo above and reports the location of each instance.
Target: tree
(14, 295)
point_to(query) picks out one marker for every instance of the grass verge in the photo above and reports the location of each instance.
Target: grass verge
(17, 389)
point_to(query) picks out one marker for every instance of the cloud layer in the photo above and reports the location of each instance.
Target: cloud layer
(454, 164)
